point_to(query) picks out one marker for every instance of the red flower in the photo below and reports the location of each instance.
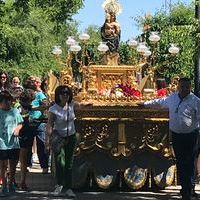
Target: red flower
(162, 92)
(128, 90)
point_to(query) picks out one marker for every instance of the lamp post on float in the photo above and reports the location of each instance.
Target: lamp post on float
(150, 53)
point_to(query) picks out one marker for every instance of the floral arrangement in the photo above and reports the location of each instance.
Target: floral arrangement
(162, 92)
(121, 90)
(129, 90)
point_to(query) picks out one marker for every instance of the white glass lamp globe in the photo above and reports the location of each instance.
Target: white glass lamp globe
(70, 41)
(103, 47)
(142, 48)
(75, 48)
(147, 53)
(173, 49)
(132, 43)
(84, 37)
(57, 50)
(154, 37)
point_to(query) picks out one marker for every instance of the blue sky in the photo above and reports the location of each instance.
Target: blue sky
(93, 14)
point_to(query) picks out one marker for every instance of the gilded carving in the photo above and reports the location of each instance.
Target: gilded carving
(122, 132)
(92, 81)
(108, 76)
(66, 76)
(52, 84)
(121, 149)
(94, 135)
(156, 138)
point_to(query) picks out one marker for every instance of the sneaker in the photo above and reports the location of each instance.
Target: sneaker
(4, 192)
(70, 193)
(58, 191)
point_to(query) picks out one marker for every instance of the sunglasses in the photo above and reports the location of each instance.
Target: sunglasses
(64, 93)
(3, 77)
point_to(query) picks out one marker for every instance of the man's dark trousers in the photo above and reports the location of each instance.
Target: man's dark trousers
(184, 145)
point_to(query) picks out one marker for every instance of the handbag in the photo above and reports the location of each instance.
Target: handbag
(57, 142)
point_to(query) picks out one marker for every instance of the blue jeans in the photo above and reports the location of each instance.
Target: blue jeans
(38, 131)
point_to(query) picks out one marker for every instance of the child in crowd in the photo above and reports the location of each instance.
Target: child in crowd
(10, 125)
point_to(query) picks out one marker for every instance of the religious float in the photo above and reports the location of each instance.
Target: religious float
(119, 143)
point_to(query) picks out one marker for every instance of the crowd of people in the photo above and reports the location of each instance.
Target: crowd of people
(23, 120)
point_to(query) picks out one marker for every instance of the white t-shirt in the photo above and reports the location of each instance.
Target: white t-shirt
(64, 122)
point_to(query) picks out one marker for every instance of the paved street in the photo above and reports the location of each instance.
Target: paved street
(38, 181)
(170, 193)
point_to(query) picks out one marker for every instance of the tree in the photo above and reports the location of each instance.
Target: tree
(58, 11)
(26, 41)
(179, 27)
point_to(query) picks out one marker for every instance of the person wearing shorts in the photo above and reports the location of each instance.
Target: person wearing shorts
(10, 125)
(26, 134)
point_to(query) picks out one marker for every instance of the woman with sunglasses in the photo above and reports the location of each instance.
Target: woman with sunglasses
(61, 128)
(4, 81)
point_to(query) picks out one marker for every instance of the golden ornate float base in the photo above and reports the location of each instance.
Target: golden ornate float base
(115, 139)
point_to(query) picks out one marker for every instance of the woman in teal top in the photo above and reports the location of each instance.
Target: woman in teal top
(38, 124)
(10, 125)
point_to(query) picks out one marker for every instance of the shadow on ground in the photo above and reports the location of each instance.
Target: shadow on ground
(97, 196)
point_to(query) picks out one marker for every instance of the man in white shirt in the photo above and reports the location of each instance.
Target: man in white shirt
(184, 118)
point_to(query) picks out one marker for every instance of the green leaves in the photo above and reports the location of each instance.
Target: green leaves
(28, 32)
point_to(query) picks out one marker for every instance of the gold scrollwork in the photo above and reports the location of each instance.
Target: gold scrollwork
(66, 77)
(92, 81)
(52, 85)
(101, 137)
(88, 139)
(155, 140)
(121, 149)
(149, 138)
(95, 135)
